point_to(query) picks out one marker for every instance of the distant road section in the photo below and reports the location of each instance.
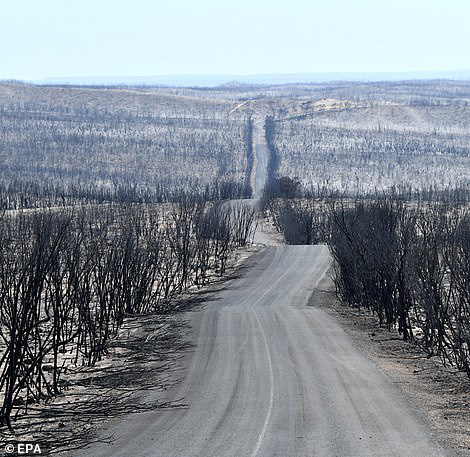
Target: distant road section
(272, 376)
(261, 163)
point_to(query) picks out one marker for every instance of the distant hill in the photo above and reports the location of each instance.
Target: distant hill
(262, 79)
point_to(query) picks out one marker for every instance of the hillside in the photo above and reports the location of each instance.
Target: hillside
(64, 137)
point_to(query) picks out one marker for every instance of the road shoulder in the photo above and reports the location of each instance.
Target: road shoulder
(440, 395)
(144, 363)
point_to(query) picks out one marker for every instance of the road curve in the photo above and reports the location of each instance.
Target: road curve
(271, 376)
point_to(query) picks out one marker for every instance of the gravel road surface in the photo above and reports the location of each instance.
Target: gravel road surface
(271, 376)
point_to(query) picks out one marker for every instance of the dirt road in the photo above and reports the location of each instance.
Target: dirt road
(261, 162)
(271, 376)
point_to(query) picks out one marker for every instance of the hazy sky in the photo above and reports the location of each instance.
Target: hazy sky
(40, 38)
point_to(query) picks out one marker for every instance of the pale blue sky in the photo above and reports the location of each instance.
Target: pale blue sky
(41, 38)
